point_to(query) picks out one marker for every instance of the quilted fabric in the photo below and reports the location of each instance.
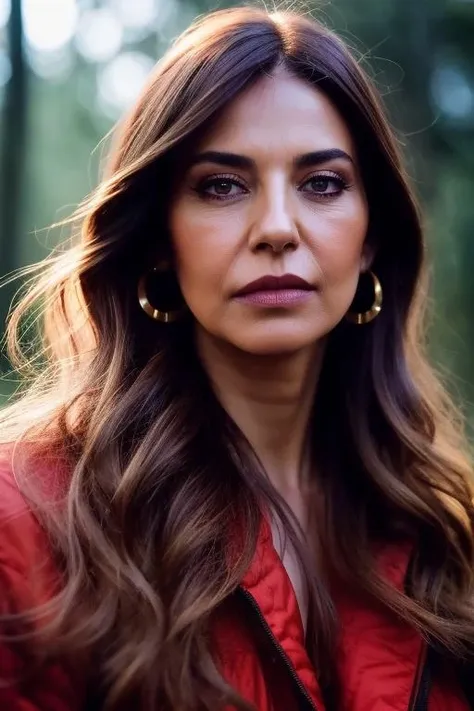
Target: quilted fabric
(378, 656)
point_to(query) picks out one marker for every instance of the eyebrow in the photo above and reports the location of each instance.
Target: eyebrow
(234, 160)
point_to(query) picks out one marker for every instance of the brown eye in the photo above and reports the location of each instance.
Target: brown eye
(322, 185)
(220, 188)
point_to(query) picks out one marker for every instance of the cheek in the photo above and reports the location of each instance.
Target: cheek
(340, 244)
(339, 249)
(204, 250)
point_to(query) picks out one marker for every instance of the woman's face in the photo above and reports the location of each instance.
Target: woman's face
(268, 222)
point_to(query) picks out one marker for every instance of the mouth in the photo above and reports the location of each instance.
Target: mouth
(285, 290)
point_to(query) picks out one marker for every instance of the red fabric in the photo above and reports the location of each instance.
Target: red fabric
(378, 657)
(27, 578)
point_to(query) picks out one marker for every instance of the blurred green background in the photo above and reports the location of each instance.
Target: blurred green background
(69, 68)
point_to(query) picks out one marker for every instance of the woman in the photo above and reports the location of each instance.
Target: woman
(236, 482)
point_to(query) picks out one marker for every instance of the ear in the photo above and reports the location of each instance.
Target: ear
(367, 256)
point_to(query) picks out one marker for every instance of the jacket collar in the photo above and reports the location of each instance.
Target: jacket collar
(378, 655)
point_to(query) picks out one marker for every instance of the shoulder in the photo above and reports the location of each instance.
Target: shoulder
(17, 521)
(28, 577)
(26, 562)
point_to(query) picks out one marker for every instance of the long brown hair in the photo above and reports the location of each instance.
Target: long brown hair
(155, 489)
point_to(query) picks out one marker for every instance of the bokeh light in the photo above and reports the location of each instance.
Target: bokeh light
(55, 65)
(5, 6)
(49, 24)
(453, 93)
(99, 35)
(121, 80)
(136, 13)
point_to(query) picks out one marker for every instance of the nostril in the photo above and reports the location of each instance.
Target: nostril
(276, 243)
(284, 246)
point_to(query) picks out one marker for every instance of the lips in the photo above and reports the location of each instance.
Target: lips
(275, 283)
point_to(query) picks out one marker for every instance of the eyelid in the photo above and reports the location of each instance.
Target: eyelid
(202, 185)
(326, 172)
(221, 176)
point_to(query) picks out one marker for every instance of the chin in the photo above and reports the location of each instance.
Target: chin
(276, 344)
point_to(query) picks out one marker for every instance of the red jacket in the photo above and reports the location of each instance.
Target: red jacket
(258, 636)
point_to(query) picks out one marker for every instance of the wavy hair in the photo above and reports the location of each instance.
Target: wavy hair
(159, 479)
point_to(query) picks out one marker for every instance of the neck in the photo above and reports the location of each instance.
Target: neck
(270, 398)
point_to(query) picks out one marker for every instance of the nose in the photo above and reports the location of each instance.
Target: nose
(274, 228)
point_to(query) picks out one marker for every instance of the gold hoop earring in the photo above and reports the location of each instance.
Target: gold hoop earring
(363, 317)
(162, 315)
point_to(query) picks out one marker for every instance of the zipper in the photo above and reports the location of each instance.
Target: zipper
(307, 702)
(421, 688)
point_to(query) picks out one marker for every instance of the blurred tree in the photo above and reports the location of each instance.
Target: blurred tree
(421, 55)
(12, 156)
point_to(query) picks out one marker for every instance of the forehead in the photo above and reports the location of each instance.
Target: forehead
(279, 114)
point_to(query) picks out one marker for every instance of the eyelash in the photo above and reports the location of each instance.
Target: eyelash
(337, 178)
(212, 180)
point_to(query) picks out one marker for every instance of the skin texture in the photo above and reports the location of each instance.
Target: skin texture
(271, 218)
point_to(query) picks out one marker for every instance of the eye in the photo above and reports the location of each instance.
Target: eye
(324, 185)
(221, 187)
